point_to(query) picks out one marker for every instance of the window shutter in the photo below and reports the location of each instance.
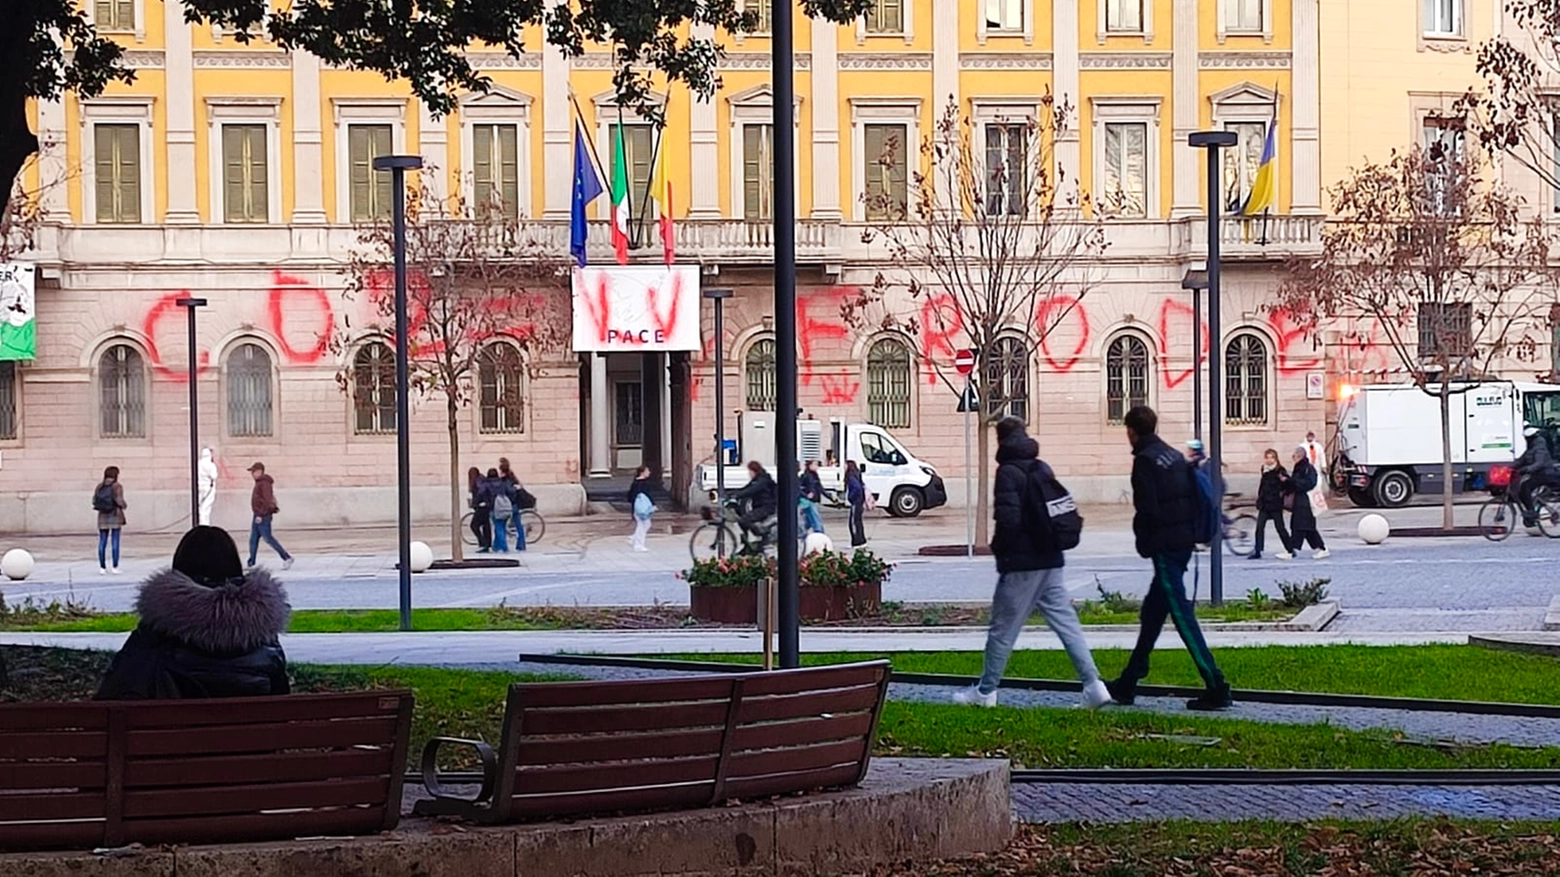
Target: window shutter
(233, 168)
(643, 139)
(259, 205)
(482, 164)
(382, 179)
(896, 170)
(127, 179)
(104, 168)
(358, 151)
(509, 170)
(124, 15)
(752, 169)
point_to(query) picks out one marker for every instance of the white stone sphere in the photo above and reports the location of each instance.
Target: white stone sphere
(817, 543)
(16, 565)
(422, 557)
(1374, 529)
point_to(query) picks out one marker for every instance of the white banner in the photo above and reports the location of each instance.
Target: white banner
(18, 328)
(633, 308)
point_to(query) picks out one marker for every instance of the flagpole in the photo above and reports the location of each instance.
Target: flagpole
(590, 142)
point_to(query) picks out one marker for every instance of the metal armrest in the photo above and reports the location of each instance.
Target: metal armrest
(430, 770)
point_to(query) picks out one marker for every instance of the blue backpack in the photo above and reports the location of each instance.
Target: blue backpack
(1205, 521)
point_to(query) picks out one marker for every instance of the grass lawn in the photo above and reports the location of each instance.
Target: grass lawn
(1437, 671)
(1402, 848)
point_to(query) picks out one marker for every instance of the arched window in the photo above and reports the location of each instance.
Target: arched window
(1245, 381)
(122, 392)
(10, 389)
(1007, 377)
(501, 389)
(1127, 376)
(373, 389)
(758, 369)
(249, 391)
(888, 384)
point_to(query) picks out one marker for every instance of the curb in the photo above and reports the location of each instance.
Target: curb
(1516, 644)
(1552, 615)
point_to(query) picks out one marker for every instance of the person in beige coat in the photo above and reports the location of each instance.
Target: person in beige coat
(108, 500)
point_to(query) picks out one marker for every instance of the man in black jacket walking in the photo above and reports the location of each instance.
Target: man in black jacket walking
(1164, 500)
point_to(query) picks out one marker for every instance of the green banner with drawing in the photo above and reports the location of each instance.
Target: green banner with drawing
(18, 328)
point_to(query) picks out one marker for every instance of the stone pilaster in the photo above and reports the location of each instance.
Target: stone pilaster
(433, 144)
(1305, 115)
(704, 155)
(1184, 109)
(557, 167)
(52, 173)
(1064, 76)
(826, 174)
(308, 146)
(179, 63)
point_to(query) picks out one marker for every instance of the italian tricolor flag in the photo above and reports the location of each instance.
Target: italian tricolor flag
(620, 206)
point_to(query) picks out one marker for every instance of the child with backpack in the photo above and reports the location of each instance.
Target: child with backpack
(1036, 521)
(108, 500)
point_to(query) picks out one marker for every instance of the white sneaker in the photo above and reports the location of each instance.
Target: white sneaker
(102, 571)
(115, 570)
(1321, 554)
(973, 696)
(1283, 555)
(287, 564)
(1095, 695)
(640, 548)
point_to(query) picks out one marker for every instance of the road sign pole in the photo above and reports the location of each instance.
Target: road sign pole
(969, 471)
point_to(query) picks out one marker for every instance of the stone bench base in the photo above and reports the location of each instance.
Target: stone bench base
(907, 809)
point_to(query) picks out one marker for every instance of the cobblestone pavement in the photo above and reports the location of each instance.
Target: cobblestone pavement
(1077, 802)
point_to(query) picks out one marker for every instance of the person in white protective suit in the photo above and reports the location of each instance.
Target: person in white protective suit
(208, 486)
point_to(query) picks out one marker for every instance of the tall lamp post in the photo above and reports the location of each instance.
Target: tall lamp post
(1196, 281)
(718, 297)
(1213, 141)
(398, 165)
(189, 305)
(782, 65)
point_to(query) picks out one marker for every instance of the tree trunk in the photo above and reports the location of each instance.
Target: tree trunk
(1446, 454)
(982, 481)
(17, 140)
(452, 408)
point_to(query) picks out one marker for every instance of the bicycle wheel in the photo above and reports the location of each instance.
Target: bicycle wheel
(466, 535)
(1548, 511)
(711, 540)
(1239, 533)
(1497, 518)
(535, 526)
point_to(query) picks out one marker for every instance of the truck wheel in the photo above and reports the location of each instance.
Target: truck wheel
(905, 502)
(1361, 498)
(1393, 489)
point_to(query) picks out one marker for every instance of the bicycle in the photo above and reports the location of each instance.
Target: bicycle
(720, 536)
(1239, 531)
(535, 527)
(1503, 509)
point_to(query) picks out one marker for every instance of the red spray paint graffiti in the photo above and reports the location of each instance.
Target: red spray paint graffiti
(811, 330)
(940, 328)
(839, 389)
(1176, 321)
(153, 325)
(1059, 315)
(1295, 352)
(289, 295)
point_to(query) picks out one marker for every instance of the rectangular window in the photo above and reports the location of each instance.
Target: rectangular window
(758, 173)
(496, 168)
(1004, 15)
(9, 391)
(1443, 18)
(114, 15)
(1445, 331)
(1007, 169)
(884, 160)
(370, 194)
(117, 165)
(1243, 16)
(1241, 163)
(245, 194)
(1123, 16)
(886, 17)
(1442, 139)
(763, 12)
(1126, 169)
(639, 152)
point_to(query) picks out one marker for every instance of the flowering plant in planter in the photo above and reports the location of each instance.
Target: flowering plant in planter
(740, 571)
(836, 569)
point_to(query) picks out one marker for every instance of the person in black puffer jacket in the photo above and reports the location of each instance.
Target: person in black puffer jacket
(1270, 506)
(1164, 498)
(207, 629)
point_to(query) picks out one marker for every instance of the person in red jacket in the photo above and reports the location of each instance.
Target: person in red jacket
(262, 503)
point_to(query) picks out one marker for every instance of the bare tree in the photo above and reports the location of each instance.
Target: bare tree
(1515, 113)
(474, 291)
(1443, 260)
(993, 247)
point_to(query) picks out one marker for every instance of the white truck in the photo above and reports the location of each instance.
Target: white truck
(900, 483)
(1389, 436)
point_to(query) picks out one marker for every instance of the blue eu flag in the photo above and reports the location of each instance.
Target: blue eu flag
(587, 187)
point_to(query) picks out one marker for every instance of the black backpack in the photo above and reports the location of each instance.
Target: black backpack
(103, 498)
(1057, 525)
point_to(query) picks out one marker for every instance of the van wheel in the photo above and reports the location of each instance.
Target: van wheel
(1361, 498)
(1393, 489)
(906, 502)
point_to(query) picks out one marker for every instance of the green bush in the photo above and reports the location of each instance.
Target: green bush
(824, 569)
(1298, 595)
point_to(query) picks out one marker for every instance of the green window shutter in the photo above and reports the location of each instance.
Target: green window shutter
(117, 165)
(124, 15)
(360, 194)
(871, 159)
(104, 168)
(752, 172)
(509, 169)
(259, 175)
(639, 156)
(482, 165)
(245, 194)
(897, 171)
(382, 179)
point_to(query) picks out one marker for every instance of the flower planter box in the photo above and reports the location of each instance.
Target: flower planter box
(724, 605)
(740, 605)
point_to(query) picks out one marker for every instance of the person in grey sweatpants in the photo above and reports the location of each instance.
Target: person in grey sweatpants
(1029, 565)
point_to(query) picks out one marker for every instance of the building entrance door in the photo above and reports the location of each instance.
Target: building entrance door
(628, 424)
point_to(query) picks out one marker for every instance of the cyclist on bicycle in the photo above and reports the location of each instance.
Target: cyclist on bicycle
(761, 494)
(1537, 468)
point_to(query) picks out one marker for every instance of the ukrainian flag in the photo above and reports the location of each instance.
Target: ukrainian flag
(1264, 188)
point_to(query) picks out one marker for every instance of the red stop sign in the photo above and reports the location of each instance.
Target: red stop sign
(964, 361)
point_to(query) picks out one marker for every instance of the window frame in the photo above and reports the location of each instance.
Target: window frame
(230, 381)
(11, 384)
(116, 111)
(1249, 104)
(753, 347)
(141, 431)
(1024, 188)
(906, 26)
(1457, 29)
(224, 111)
(883, 390)
(137, 23)
(1264, 377)
(1103, 31)
(349, 111)
(866, 111)
(1124, 110)
(500, 106)
(759, 30)
(523, 396)
(754, 106)
(1128, 401)
(378, 429)
(1026, 28)
(1229, 26)
(608, 114)
(1018, 405)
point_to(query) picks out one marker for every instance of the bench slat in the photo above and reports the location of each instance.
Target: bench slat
(758, 787)
(53, 717)
(218, 802)
(613, 747)
(747, 765)
(248, 827)
(53, 775)
(622, 775)
(53, 744)
(813, 679)
(269, 767)
(51, 835)
(804, 705)
(534, 695)
(51, 805)
(663, 797)
(240, 711)
(238, 739)
(628, 718)
(802, 732)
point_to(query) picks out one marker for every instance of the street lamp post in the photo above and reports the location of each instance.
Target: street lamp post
(1196, 281)
(718, 297)
(190, 304)
(1213, 141)
(782, 65)
(398, 165)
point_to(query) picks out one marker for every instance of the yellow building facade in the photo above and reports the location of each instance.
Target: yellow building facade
(237, 171)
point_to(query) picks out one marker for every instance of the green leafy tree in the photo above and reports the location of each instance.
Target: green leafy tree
(49, 47)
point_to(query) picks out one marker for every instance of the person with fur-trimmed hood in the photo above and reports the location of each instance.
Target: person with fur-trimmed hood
(207, 629)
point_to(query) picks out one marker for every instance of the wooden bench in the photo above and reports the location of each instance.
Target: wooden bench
(110, 773)
(573, 748)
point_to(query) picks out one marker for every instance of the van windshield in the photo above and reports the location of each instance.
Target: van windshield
(1541, 409)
